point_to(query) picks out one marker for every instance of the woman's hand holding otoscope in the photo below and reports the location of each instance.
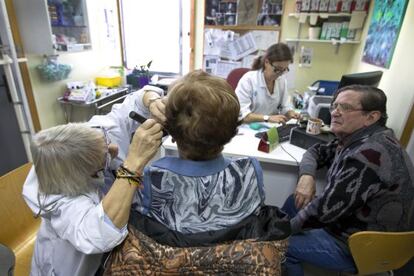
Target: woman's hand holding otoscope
(136, 117)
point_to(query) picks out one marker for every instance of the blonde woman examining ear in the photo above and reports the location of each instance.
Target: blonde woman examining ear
(65, 187)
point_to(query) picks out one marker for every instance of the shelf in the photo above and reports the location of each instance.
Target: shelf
(322, 15)
(243, 27)
(69, 26)
(37, 29)
(74, 47)
(331, 41)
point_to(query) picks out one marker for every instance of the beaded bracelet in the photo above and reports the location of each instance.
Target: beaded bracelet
(132, 178)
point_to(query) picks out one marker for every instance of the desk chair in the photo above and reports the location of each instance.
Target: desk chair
(235, 75)
(376, 252)
(18, 226)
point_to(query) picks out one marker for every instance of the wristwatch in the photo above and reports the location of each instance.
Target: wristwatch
(266, 118)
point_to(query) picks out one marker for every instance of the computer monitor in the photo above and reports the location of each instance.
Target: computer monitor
(321, 108)
(367, 78)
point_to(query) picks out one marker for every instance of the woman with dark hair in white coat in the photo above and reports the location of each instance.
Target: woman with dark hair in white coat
(262, 92)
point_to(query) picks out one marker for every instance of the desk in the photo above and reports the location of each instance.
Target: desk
(98, 105)
(280, 170)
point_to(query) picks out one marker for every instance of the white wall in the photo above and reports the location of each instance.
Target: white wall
(86, 65)
(199, 34)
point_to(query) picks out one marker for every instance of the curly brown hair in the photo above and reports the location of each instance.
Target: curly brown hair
(202, 115)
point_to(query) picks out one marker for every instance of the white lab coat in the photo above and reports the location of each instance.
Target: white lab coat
(73, 234)
(119, 126)
(254, 97)
(75, 231)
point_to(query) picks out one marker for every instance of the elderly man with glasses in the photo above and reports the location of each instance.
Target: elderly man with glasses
(369, 184)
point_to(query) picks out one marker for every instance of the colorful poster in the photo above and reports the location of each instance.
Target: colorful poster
(383, 32)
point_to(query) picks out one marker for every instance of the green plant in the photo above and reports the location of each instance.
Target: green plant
(143, 70)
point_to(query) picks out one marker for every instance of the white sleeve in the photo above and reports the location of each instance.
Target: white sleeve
(244, 92)
(82, 223)
(117, 122)
(285, 104)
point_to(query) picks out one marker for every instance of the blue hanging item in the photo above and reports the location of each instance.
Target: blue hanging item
(52, 70)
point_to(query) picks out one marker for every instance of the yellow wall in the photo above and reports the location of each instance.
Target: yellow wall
(86, 65)
(326, 63)
(397, 81)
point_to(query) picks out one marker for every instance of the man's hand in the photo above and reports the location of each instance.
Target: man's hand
(305, 191)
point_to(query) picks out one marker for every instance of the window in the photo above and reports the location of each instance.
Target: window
(153, 31)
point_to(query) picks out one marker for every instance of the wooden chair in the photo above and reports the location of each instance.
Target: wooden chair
(376, 252)
(18, 226)
(235, 75)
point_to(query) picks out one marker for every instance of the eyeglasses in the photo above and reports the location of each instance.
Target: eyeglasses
(279, 70)
(343, 108)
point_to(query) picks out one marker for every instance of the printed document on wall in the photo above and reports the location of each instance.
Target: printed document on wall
(264, 39)
(224, 67)
(305, 59)
(239, 48)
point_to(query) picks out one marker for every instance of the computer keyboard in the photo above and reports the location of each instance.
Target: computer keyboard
(283, 132)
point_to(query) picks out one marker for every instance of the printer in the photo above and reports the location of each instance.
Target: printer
(318, 107)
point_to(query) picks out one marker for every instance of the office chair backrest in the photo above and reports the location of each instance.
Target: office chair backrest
(376, 252)
(235, 75)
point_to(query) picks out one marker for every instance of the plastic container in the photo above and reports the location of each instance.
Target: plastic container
(108, 81)
(324, 87)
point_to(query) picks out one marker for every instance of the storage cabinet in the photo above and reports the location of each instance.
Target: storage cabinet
(47, 26)
(341, 23)
(235, 32)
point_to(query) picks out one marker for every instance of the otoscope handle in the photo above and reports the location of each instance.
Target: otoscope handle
(140, 119)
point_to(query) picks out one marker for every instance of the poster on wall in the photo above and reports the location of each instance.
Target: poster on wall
(271, 13)
(305, 58)
(383, 32)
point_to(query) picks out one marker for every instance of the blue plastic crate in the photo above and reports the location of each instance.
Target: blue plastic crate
(325, 87)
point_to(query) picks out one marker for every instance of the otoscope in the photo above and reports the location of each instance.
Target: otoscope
(136, 117)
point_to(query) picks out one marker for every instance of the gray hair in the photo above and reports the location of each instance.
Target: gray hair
(66, 157)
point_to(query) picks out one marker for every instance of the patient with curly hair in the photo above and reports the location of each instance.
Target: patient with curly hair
(201, 212)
